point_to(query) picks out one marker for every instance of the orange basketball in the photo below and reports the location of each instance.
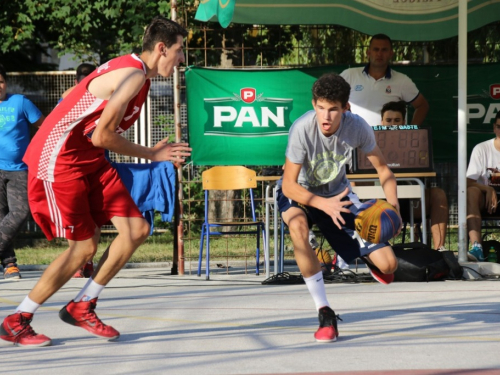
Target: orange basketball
(377, 221)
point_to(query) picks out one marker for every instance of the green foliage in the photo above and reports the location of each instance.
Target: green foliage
(103, 29)
(167, 121)
(17, 25)
(86, 28)
(326, 45)
(107, 28)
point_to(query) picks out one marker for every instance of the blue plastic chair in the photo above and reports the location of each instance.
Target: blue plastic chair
(228, 178)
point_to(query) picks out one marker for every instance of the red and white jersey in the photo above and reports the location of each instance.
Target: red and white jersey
(62, 150)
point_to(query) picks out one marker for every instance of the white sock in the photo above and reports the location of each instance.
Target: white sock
(90, 291)
(316, 288)
(28, 306)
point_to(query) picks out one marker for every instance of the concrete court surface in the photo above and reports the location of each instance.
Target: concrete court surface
(233, 324)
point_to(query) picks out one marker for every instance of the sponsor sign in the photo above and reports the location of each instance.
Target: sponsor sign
(240, 117)
(495, 91)
(235, 118)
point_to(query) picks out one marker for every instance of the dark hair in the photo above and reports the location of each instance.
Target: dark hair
(3, 73)
(399, 106)
(381, 37)
(161, 30)
(331, 87)
(497, 117)
(83, 71)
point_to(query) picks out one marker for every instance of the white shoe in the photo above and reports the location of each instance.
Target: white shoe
(341, 263)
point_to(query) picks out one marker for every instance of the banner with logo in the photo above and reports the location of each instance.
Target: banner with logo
(242, 117)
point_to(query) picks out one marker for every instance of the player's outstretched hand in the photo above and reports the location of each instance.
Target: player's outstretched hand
(335, 206)
(173, 152)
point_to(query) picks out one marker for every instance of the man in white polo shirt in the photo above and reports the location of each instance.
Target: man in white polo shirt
(376, 84)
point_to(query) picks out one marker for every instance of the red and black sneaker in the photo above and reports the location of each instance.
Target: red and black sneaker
(85, 271)
(79, 274)
(88, 269)
(378, 275)
(81, 314)
(327, 331)
(16, 328)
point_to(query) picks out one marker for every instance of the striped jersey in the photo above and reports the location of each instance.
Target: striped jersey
(62, 150)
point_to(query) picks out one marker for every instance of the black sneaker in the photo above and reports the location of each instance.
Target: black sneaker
(327, 331)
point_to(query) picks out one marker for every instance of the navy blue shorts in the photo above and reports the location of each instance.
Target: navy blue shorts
(345, 242)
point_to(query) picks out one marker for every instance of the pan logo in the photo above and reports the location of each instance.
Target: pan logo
(482, 108)
(248, 115)
(495, 91)
(247, 95)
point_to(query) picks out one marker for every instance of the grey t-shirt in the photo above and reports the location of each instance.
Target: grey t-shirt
(324, 158)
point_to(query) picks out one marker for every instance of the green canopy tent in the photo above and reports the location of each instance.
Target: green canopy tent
(405, 20)
(400, 19)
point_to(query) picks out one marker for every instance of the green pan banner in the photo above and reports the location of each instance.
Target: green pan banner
(412, 20)
(242, 117)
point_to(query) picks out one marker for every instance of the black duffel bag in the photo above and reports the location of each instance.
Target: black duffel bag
(418, 262)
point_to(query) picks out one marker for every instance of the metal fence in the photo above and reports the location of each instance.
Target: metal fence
(156, 122)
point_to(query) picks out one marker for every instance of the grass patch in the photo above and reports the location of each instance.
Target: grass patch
(159, 248)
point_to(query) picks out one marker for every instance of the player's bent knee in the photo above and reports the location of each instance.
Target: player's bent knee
(85, 249)
(389, 267)
(140, 232)
(298, 226)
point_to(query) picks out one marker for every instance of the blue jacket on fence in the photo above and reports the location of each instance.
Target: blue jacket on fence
(152, 187)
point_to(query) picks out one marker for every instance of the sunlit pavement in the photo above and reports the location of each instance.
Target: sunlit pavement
(232, 324)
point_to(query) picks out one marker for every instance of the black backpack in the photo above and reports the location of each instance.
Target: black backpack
(418, 262)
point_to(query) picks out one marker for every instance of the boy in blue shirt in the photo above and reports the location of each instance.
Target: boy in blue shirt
(17, 113)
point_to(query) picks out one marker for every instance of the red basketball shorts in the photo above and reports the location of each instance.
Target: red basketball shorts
(73, 209)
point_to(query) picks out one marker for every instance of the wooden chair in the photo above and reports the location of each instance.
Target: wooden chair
(228, 178)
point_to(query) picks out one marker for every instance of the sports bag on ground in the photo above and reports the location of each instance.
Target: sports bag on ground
(418, 262)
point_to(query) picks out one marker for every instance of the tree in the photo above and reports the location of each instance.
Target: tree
(107, 28)
(21, 34)
(18, 27)
(89, 29)
(102, 29)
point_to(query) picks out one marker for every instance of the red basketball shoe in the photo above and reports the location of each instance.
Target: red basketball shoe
(327, 331)
(88, 269)
(16, 328)
(378, 275)
(81, 314)
(78, 274)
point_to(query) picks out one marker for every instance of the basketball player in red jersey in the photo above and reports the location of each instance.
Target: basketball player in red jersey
(73, 190)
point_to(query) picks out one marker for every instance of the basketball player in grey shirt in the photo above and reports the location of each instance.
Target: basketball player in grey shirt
(315, 190)
(323, 158)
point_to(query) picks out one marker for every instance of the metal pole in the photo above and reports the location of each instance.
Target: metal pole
(462, 130)
(178, 256)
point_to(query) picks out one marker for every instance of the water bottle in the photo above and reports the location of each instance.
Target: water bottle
(492, 255)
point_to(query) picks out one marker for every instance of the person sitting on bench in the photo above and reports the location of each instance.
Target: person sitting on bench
(483, 185)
